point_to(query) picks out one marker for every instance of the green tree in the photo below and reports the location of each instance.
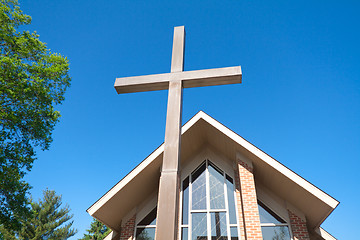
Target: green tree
(97, 231)
(49, 221)
(6, 234)
(32, 81)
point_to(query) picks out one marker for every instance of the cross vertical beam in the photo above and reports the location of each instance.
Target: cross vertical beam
(168, 198)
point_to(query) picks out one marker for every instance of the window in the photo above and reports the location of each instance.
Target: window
(272, 226)
(145, 229)
(208, 205)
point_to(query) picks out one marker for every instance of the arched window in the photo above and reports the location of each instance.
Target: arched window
(272, 226)
(208, 205)
(145, 229)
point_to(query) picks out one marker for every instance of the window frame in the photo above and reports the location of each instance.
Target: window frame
(146, 209)
(275, 215)
(218, 166)
(145, 226)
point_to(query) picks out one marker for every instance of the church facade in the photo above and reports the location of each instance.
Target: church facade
(229, 190)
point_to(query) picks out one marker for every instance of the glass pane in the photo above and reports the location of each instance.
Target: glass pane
(199, 188)
(231, 199)
(199, 226)
(216, 180)
(185, 203)
(218, 226)
(275, 233)
(184, 234)
(234, 233)
(268, 216)
(145, 233)
(150, 219)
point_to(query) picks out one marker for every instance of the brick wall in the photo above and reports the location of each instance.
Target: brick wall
(127, 231)
(298, 227)
(247, 202)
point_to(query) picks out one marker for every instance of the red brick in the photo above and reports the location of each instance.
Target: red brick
(298, 227)
(127, 232)
(249, 219)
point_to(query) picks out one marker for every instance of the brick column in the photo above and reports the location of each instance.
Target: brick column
(298, 227)
(127, 230)
(246, 199)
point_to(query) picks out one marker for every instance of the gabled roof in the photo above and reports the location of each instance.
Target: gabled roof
(202, 130)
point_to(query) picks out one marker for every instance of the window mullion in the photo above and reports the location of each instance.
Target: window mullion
(190, 207)
(236, 207)
(208, 202)
(181, 208)
(226, 207)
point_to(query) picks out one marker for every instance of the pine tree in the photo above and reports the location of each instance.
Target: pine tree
(97, 231)
(49, 221)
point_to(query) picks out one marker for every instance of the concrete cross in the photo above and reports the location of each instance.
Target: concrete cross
(168, 198)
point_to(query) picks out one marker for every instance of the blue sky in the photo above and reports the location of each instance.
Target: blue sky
(299, 101)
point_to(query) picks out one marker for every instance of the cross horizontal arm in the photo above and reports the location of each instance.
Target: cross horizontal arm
(211, 77)
(198, 78)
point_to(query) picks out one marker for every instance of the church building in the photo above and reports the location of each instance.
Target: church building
(229, 190)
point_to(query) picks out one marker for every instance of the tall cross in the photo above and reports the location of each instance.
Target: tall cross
(175, 81)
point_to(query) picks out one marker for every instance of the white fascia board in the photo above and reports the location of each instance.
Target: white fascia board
(96, 206)
(111, 235)
(324, 234)
(272, 162)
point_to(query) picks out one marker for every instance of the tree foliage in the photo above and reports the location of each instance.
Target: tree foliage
(97, 231)
(49, 221)
(32, 81)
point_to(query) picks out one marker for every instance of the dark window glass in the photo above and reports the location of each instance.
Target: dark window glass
(272, 232)
(277, 232)
(198, 171)
(145, 233)
(185, 203)
(268, 216)
(150, 219)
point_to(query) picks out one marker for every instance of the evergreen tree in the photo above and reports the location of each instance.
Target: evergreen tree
(49, 221)
(6, 234)
(32, 81)
(97, 231)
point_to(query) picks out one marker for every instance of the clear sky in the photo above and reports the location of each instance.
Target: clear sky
(299, 101)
